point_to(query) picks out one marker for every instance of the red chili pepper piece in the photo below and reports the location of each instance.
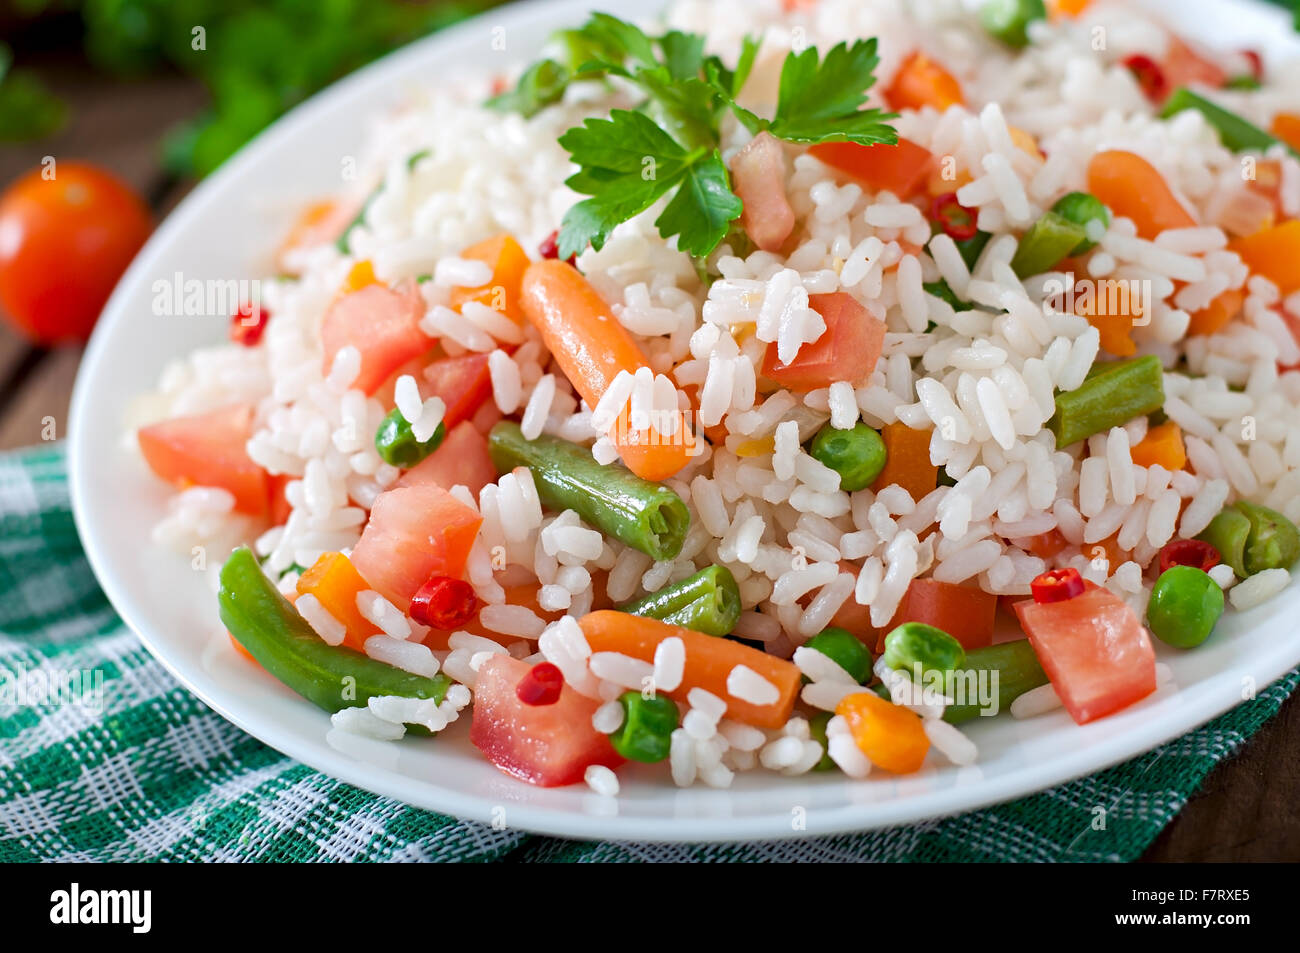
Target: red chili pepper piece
(1189, 552)
(1057, 585)
(1149, 76)
(444, 603)
(541, 686)
(550, 248)
(248, 323)
(959, 222)
(1256, 64)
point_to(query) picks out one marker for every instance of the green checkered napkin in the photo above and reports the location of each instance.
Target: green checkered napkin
(153, 774)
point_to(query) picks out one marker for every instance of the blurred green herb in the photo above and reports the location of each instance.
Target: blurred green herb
(257, 58)
(28, 110)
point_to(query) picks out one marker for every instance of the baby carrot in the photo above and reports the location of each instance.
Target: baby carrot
(709, 661)
(591, 348)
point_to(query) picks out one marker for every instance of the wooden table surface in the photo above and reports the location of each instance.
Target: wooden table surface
(1244, 810)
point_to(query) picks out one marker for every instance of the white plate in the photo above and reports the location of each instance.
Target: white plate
(228, 225)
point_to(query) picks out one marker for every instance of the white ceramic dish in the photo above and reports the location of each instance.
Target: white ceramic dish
(228, 226)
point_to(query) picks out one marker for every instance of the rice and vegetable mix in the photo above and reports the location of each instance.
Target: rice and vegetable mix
(709, 392)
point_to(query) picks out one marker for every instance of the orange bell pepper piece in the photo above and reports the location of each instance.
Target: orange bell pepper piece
(920, 82)
(907, 460)
(335, 582)
(1162, 445)
(891, 736)
(508, 262)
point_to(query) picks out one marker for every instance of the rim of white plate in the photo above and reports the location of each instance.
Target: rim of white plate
(1100, 745)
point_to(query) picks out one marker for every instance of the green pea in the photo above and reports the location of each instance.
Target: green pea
(1009, 20)
(914, 643)
(1274, 541)
(648, 725)
(857, 455)
(1185, 604)
(397, 444)
(1251, 538)
(817, 730)
(1082, 208)
(844, 649)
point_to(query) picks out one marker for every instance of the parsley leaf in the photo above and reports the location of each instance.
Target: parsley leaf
(703, 207)
(541, 85)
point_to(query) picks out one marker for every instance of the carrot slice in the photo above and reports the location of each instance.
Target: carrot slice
(1135, 189)
(1045, 545)
(907, 460)
(709, 662)
(1286, 126)
(508, 262)
(335, 583)
(591, 348)
(891, 736)
(921, 82)
(1273, 253)
(1162, 445)
(1216, 314)
(1112, 310)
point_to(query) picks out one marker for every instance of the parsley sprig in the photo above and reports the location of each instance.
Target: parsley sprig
(669, 144)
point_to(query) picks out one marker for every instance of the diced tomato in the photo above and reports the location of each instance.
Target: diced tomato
(208, 450)
(463, 383)
(547, 745)
(901, 169)
(964, 612)
(1094, 650)
(1045, 545)
(758, 171)
(1184, 66)
(279, 504)
(382, 324)
(462, 459)
(414, 532)
(847, 351)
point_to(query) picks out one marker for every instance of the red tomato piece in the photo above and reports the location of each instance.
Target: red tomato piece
(1094, 650)
(965, 612)
(461, 459)
(382, 324)
(414, 532)
(1185, 66)
(546, 745)
(209, 450)
(847, 351)
(66, 239)
(463, 383)
(901, 169)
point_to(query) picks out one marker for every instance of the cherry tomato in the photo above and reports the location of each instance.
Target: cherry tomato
(65, 239)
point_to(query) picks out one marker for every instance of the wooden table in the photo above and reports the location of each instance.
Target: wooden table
(1244, 811)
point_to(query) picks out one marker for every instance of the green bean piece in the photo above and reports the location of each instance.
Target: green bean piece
(1008, 20)
(915, 643)
(857, 455)
(707, 602)
(646, 516)
(271, 629)
(648, 725)
(1111, 398)
(1234, 132)
(1274, 541)
(1082, 208)
(396, 442)
(1050, 239)
(817, 731)
(1185, 604)
(1015, 667)
(844, 649)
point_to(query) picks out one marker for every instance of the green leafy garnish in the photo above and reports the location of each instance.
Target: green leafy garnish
(669, 146)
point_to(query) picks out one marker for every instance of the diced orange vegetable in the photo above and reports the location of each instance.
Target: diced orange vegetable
(1045, 545)
(1135, 189)
(709, 662)
(1163, 445)
(1112, 309)
(939, 184)
(1066, 9)
(900, 169)
(335, 582)
(591, 348)
(1273, 253)
(1109, 550)
(359, 275)
(1025, 142)
(964, 612)
(921, 82)
(1286, 126)
(319, 223)
(1215, 315)
(891, 736)
(508, 263)
(907, 460)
